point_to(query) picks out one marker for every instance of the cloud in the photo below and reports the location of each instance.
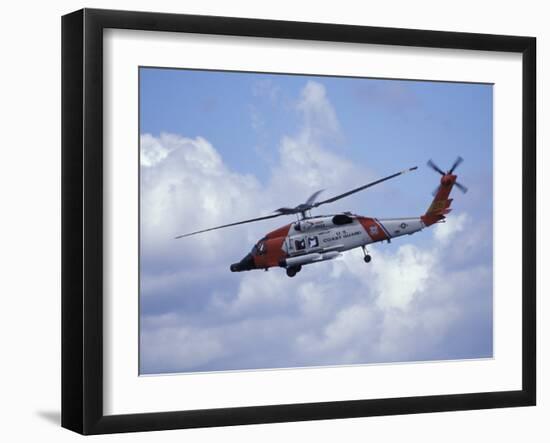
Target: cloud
(309, 160)
(411, 303)
(443, 232)
(152, 151)
(319, 115)
(189, 187)
(177, 348)
(403, 275)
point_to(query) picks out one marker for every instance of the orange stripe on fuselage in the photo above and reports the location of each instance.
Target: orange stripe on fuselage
(281, 232)
(373, 228)
(273, 248)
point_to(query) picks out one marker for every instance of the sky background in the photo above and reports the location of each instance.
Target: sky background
(218, 147)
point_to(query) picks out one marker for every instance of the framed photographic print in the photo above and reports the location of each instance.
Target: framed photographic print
(269, 221)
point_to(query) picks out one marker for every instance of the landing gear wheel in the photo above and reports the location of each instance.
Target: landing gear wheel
(291, 272)
(367, 257)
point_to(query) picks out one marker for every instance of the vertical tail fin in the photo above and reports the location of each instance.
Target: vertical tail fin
(441, 204)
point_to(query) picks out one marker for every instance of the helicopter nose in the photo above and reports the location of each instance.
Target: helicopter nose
(246, 264)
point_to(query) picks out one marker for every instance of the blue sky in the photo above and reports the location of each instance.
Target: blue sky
(221, 146)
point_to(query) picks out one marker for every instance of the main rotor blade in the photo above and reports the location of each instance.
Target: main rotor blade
(230, 224)
(436, 168)
(455, 164)
(313, 197)
(285, 211)
(361, 188)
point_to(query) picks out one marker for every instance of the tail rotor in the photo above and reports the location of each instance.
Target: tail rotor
(450, 172)
(455, 164)
(441, 204)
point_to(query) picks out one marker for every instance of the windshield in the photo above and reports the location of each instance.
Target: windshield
(259, 248)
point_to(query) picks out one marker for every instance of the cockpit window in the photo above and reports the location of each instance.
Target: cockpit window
(259, 248)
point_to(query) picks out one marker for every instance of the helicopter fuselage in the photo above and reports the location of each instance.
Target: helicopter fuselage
(322, 238)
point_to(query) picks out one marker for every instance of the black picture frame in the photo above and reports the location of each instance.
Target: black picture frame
(82, 216)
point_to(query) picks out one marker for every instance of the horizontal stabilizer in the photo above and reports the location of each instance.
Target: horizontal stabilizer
(437, 211)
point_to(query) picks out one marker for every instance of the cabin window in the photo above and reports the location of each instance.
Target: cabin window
(313, 242)
(300, 244)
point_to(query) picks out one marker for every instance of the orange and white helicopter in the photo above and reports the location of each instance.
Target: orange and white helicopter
(313, 239)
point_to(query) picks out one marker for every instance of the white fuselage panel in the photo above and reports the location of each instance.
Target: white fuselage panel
(321, 234)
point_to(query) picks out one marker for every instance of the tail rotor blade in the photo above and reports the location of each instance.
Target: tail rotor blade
(460, 186)
(436, 168)
(455, 164)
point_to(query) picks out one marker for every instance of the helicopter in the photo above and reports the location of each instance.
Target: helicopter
(313, 239)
